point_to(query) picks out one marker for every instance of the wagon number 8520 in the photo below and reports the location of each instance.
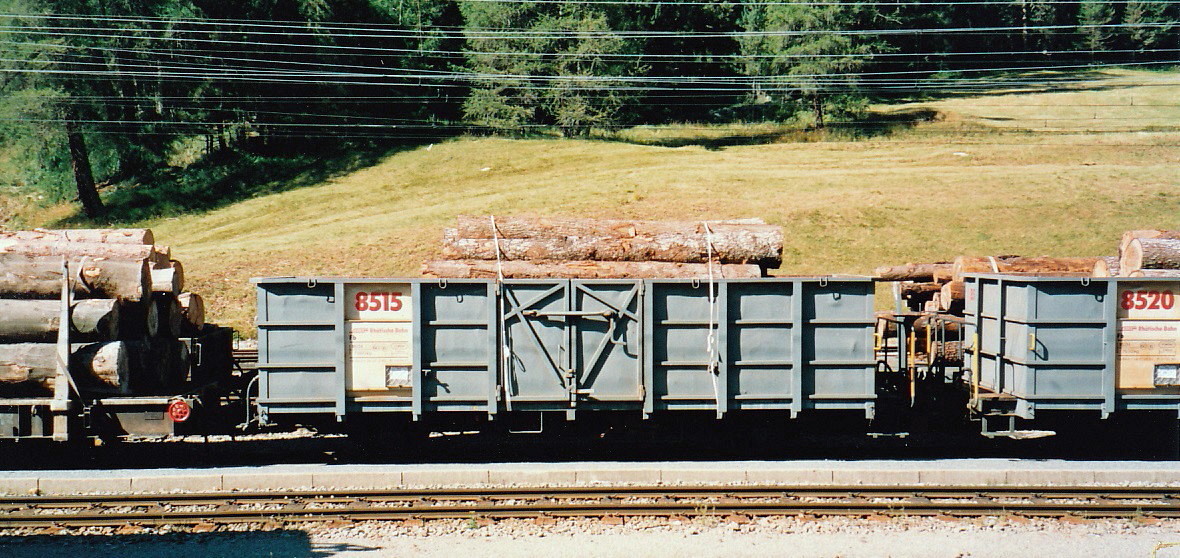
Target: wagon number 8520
(1147, 300)
(380, 302)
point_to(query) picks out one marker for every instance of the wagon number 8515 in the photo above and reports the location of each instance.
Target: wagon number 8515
(380, 302)
(1147, 300)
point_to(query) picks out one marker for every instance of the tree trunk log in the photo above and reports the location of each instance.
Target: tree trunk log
(40, 277)
(111, 236)
(947, 352)
(101, 366)
(168, 278)
(924, 323)
(481, 269)
(1173, 273)
(744, 247)
(1148, 234)
(910, 290)
(39, 320)
(1153, 253)
(1041, 265)
(192, 307)
(918, 272)
(524, 238)
(1106, 266)
(952, 296)
(77, 249)
(170, 317)
(470, 226)
(139, 320)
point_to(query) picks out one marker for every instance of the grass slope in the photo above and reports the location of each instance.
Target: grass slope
(969, 182)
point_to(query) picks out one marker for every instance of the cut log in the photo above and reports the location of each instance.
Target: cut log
(40, 277)
(101, 366)
(73, 249)
(1148, 234)
(923, 323)
(39, 320)
(139, 320)
(192, 307)
(473, 226)
(1039, 265)
(178, 365)
(918, 272)
(933, 305)
(952, 296)
(910, 289)
(112, 236)
(171, 320)
(1172, 273)
(741, 246)
(886, 327)
(161, 254)
(168, 278)
(481, 269)
(1106, 266)
(947, 352)
(1150, 253)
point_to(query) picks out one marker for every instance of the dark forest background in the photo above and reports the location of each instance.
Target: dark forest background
(128, 91)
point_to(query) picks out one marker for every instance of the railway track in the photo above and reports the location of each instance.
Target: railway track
(493, 503)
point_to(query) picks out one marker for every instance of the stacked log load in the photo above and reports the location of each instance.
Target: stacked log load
(128, 312)
(939, 287)
(527, 247)
(1146, 253)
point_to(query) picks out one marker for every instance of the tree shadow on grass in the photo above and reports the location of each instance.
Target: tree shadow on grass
(229, 176)
(885, 123)
(864, 126)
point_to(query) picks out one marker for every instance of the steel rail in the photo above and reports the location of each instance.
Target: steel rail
(494, 503)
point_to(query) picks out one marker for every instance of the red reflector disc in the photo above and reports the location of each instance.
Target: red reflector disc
(179, 411)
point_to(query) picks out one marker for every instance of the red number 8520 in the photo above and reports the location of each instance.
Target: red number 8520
(1147, 300)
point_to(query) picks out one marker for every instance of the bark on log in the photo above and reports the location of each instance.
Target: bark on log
(1173, 273)
(168, 278)
(113, 236)
(1150, 253)
(1040, 265)
(192, 307)
(94, 366)
(909, 290)
(40, 277)
(923, 323)
(481, 269)
(473, 226)
(76, 249)
(737, 246)
(1106, 266)
(39, 320)
(1148, 234)
(918, 272)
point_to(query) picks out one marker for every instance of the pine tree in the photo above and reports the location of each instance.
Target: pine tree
(802, 53)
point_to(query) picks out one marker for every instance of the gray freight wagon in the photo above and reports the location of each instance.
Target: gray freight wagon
(1081, 345)
(341, 346)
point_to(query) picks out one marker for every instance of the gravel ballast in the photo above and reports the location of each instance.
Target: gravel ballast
(633, 538)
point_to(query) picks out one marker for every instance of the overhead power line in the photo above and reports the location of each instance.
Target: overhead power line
(475, 34)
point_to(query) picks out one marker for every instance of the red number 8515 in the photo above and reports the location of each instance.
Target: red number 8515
(387, 302)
